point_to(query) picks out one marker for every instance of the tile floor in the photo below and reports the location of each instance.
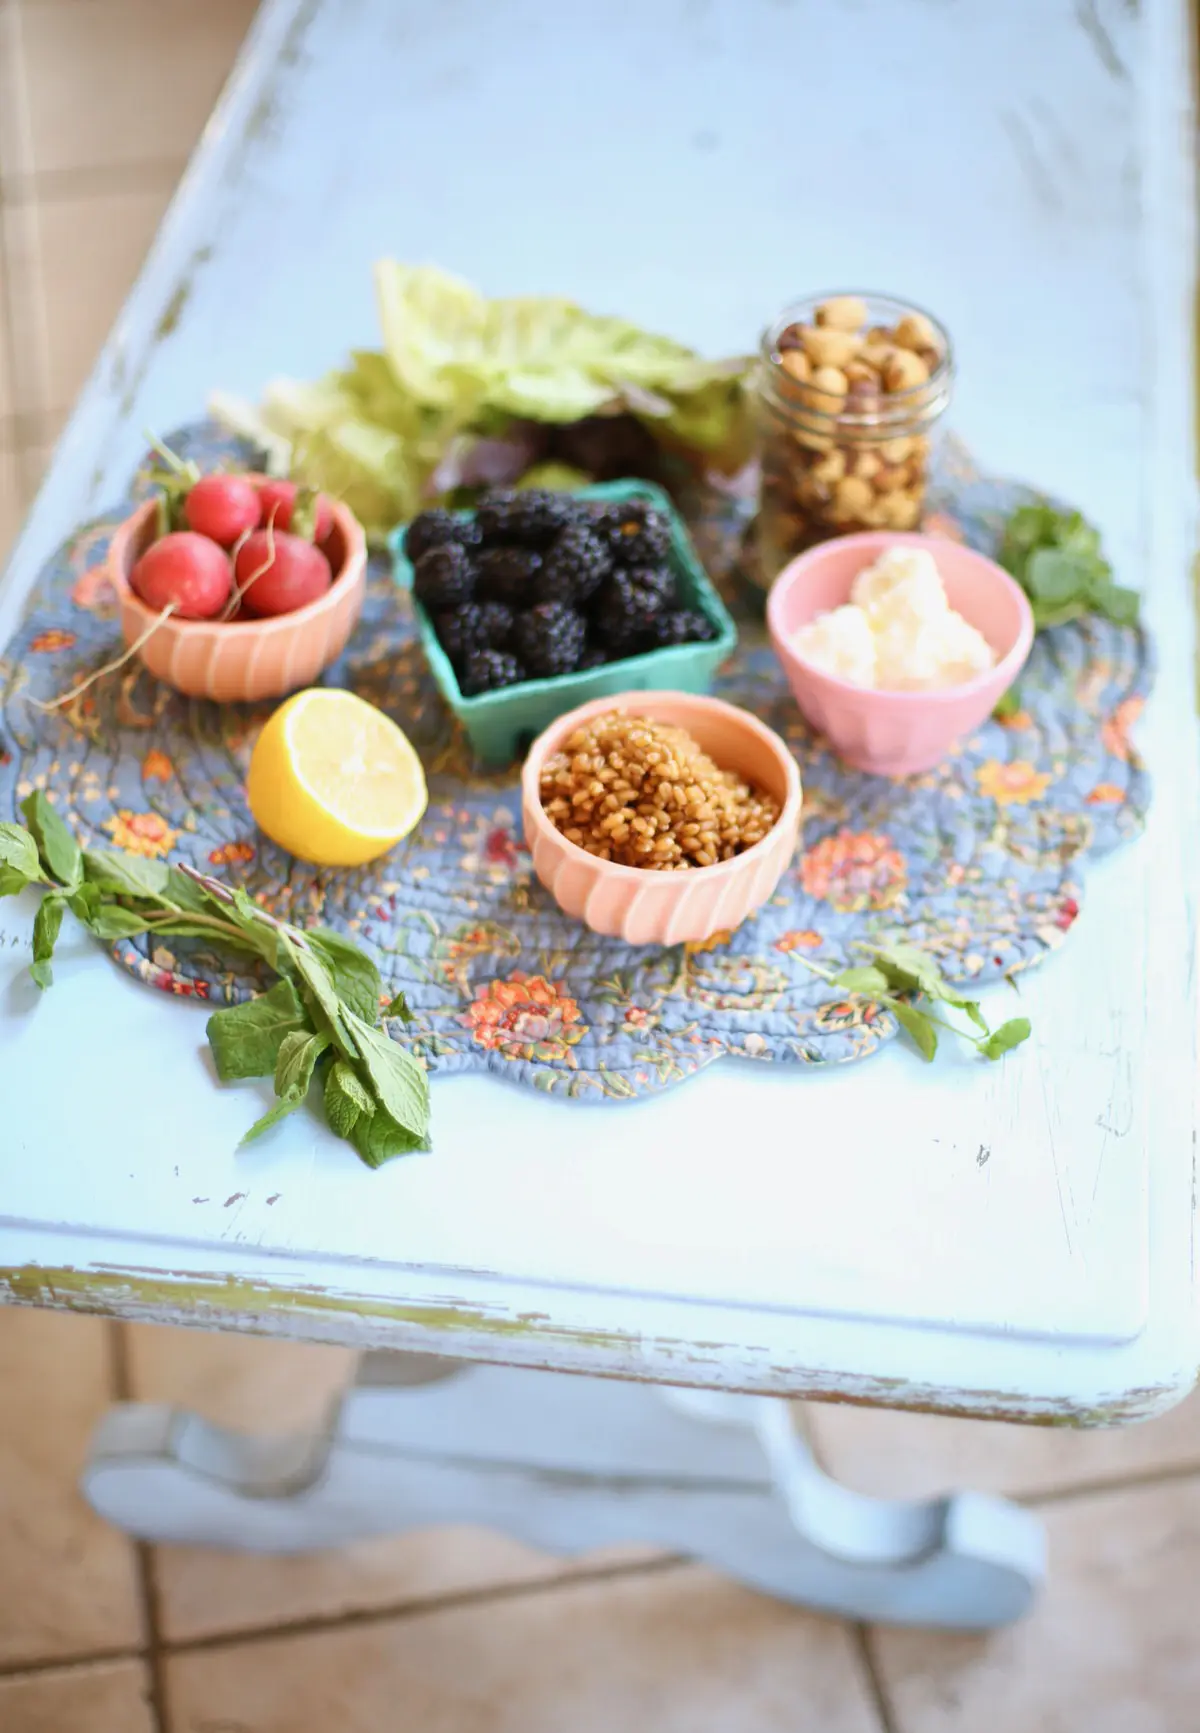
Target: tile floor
(454, 1630)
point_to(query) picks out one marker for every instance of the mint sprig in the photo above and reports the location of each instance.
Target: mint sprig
(1057, 559)
(906, 980)
(319, 1022)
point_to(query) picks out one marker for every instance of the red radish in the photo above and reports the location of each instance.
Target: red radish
(277, 500)
(222, 507)
(185, 569)
(279, 573)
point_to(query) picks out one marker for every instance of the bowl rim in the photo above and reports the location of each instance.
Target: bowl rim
(353, 536)
(1004, 671)
(531, 799)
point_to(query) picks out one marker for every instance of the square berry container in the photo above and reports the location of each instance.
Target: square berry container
(501, 726)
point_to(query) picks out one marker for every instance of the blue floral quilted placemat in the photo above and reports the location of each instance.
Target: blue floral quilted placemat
(981, 861)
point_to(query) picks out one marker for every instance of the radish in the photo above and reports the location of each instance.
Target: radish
(278, 573)
(277, 501)
(222, 507)
(186, 570)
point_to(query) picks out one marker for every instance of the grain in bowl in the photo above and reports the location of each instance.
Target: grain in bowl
(668, 907)
(643, 793)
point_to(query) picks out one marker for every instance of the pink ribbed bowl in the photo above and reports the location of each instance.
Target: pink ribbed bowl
(668, 908)
(243, 661)
(898, 733)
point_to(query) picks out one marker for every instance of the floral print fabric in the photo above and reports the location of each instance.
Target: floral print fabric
(980, 861)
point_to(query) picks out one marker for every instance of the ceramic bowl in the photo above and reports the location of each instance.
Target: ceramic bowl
(898, 733)
(656, 908)
(243, 660)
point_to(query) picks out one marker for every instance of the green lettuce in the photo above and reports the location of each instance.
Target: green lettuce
(394, 429)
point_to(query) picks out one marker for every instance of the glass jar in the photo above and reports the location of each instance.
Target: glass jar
(850, 390)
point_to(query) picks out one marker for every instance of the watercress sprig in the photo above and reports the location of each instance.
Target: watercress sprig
(320, 1021)
(900, 976)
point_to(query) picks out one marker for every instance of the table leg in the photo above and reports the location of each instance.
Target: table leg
(567, 1464)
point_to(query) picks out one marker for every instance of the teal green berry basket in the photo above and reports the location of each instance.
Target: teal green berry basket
(501, 725)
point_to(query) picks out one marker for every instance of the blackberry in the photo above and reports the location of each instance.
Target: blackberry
(530, 517)
(474, 626)
(549, 638)
(684, 626)
(508, 574)
(488, 670)
(434, 529)
(627, 617)
(638, 534)
(444, 577)
(660, 580)
(575, 567)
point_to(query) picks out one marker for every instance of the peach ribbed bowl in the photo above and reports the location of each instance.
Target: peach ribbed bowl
(243, 661)
(667, 908)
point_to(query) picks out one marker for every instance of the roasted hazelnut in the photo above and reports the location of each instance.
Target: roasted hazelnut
(890, 477)
(789, 338)
(866, 463)
(851, 496)
(915, 331)
(829, 382)
(827, 347)
(862, 373)
(843, 313)
(863, 397)
(812, 441)
(904, 371)
(901, 511)
(830, 468)
(797, 363)
(896, 450)
(877, 352)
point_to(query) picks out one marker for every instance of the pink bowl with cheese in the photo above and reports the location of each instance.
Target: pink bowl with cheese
(898, 733)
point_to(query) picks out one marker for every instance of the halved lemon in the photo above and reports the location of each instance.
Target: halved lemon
(333, 780)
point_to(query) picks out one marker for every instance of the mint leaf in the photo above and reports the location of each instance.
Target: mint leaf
(1008, 705)
(398, 1008)
(355, 977)
(13, 881)
(320, 995)
(47, 924)
(18, 852)
(246, 1039)
(870, 981)
(399, 1082)
(923, 1033)
(271, 1118)
(126, 875)
(111, 921)
(379, 1139)
(346, 1098)
(60, 853)
(298, 1055)
(1005, 1038)
(1054, 577)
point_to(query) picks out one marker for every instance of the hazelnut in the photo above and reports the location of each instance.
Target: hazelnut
(915, 331)
(843, 313)
(890, 477)
(863, 396)
(813, 441)
(862, 373)
(797, 363)
(852, 496)
(827, 347)
(867, 464)
(813, 492)
(789, 338)
(874, 516)
(896, 450)
(904, 371)
(920, 449)
(901, 511)
(829, 382)
(830, 468)
(877, 352)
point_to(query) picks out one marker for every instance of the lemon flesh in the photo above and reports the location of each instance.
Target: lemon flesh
(333, 780)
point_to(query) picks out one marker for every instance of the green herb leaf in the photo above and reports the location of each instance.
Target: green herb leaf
(320, 995)
(126, 875)
(1005, 1038)
(1008, 705)
(917, 1024)
(298, 1055)
(355, 977)
(346, 1098)
(111, 921)
(396, 1077)
(246, 1039)
(379, 1138)
(1057, 559)
(869, 981)
(60, 853)
(13, 881)
(1056, 576)
(47, 924)
(398, 1007)
(18, 852)
(271, 1118)
(182, 892)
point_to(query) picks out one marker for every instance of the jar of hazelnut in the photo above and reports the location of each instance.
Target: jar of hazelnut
(850, 390)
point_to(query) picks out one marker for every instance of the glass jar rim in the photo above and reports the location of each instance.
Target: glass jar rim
(771, 353)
